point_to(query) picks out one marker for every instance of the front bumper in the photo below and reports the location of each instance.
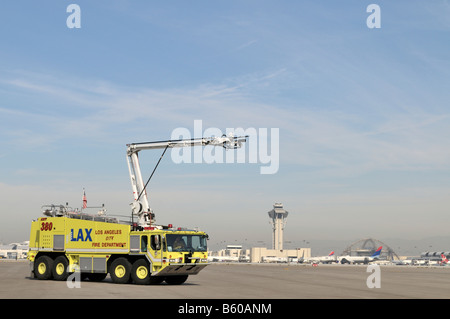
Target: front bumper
(180, 269)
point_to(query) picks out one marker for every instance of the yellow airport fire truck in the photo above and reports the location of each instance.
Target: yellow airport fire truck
(64, 241)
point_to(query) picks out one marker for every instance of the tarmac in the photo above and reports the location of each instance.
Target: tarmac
(246, 282)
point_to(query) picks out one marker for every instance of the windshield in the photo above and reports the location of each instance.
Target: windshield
(186, 242)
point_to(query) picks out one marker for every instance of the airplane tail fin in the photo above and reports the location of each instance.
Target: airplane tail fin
(331, 254)
(377, 253)
(444, 259)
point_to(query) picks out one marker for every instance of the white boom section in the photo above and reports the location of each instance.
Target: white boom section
(140, 206)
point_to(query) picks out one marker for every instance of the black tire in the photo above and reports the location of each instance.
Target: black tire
(140, 272)
(59, 268)
(120, 270)
(43, 268)
(156, 280)
(176, 280)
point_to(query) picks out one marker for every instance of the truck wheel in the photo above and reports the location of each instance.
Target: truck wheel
(156, 280)
(43, 268)
(120, 271)
(59, 269)
(176, 280)
(140, 272)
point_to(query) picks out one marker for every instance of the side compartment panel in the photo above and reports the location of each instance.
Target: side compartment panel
(135, 243)
(99, 264)
(86, 264)
(58, 242)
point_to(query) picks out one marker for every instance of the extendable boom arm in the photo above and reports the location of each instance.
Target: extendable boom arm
(140, 206)
(228, 142)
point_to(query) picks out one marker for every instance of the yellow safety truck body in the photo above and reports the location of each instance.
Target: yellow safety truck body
(66, 242)
(62, 245)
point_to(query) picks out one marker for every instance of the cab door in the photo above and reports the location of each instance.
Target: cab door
(155, 250)
(144, 243)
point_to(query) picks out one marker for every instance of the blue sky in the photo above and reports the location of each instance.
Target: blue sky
(363, 113)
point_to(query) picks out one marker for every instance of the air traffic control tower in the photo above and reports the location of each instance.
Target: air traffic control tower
(278, 220)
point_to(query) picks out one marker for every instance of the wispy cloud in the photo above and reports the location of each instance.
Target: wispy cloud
(311, 137)
(245, 45)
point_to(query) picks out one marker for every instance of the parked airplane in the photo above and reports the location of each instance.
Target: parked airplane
(423, 262)
(269, 259)
(331, 258)
(419, 262)
(223, 259)
(427, 262)
(402, 262)
(360, 259)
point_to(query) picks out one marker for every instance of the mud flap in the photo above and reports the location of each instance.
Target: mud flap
(31, 265)
(181, 269)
